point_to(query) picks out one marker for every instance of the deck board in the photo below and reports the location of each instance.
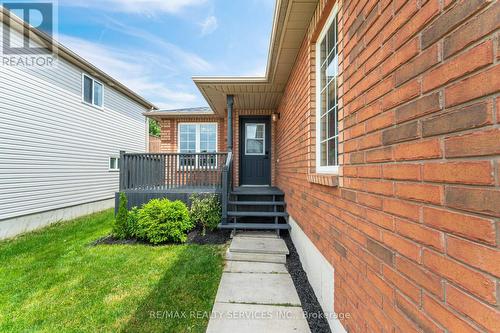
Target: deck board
(258, 190)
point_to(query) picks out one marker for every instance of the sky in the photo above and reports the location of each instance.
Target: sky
(155, 46)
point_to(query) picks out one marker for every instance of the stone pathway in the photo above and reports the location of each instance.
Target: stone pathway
(256, 294)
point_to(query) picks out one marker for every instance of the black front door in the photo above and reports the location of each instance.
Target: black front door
(255, 149)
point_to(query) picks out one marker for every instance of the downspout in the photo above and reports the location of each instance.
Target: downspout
(230, 103)
(227, 170)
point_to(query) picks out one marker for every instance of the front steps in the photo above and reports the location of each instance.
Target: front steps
(261, 247)
(257, 208)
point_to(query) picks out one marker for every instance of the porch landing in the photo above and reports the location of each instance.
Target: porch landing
(258, 190)
(257, 294)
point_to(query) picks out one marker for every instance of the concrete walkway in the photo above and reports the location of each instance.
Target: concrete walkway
(256, 294)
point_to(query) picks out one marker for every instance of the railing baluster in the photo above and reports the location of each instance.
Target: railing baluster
(147, 171)
(176, 168)
(183, 173)
(167, 170)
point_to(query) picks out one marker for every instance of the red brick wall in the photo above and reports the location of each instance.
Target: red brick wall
(170, 126)
(412, 228)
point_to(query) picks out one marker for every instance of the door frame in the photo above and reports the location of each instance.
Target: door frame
(267, 140)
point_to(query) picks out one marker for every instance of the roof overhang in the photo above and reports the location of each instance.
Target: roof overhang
(291, 22)
(63, 52)
(158, 115)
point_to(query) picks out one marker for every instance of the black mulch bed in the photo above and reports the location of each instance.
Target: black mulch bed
(315, 316)
(216, 237)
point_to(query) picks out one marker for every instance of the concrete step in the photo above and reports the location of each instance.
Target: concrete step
(256, 257)
(258, 245)
(260, 288)
(256, 234)
(254, 267)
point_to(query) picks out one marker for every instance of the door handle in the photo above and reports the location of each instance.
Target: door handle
(266, 157)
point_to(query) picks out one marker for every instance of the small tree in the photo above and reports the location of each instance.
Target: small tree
(120, 227)
(154, 128)
(206, 211)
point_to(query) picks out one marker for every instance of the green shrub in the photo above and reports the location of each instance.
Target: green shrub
(206, 211)
(162, 220)
(133, 218)
(120, 226)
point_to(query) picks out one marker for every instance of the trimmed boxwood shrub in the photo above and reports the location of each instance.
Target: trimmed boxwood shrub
(161, 221)
(206, 211)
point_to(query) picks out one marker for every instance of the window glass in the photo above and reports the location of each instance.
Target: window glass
(97, 94)
(208, 138)
(255, 139)
(87, 89)
(198, 138)
(114, 163)
(328, 70)
(187, 138)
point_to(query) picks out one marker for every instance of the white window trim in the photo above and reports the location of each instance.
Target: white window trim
(263, 141)
(117, 164)
(197, 140)
(100, 107)
(334, 169)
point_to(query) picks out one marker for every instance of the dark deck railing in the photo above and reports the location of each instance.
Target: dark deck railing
(165, 171)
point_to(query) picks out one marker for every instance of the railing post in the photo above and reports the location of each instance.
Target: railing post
(225, 193)
(122, 170)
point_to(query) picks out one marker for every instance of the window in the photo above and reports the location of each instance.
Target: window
(114, 164)
(198, 138)
(255, 141)
(327, 98)
(93, 91)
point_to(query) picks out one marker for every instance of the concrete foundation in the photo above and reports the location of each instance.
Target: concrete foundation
(19, 225)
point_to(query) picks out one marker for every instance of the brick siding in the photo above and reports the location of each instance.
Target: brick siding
(169, 129)
(412, 227)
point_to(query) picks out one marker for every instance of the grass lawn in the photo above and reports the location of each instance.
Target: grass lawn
(54, 281)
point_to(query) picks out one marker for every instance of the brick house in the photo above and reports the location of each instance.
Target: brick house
(380, 122)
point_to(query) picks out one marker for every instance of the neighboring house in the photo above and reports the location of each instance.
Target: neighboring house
(61, 132)
(379, 121)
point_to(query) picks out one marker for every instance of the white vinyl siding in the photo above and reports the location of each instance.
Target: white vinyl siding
(54, 149)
